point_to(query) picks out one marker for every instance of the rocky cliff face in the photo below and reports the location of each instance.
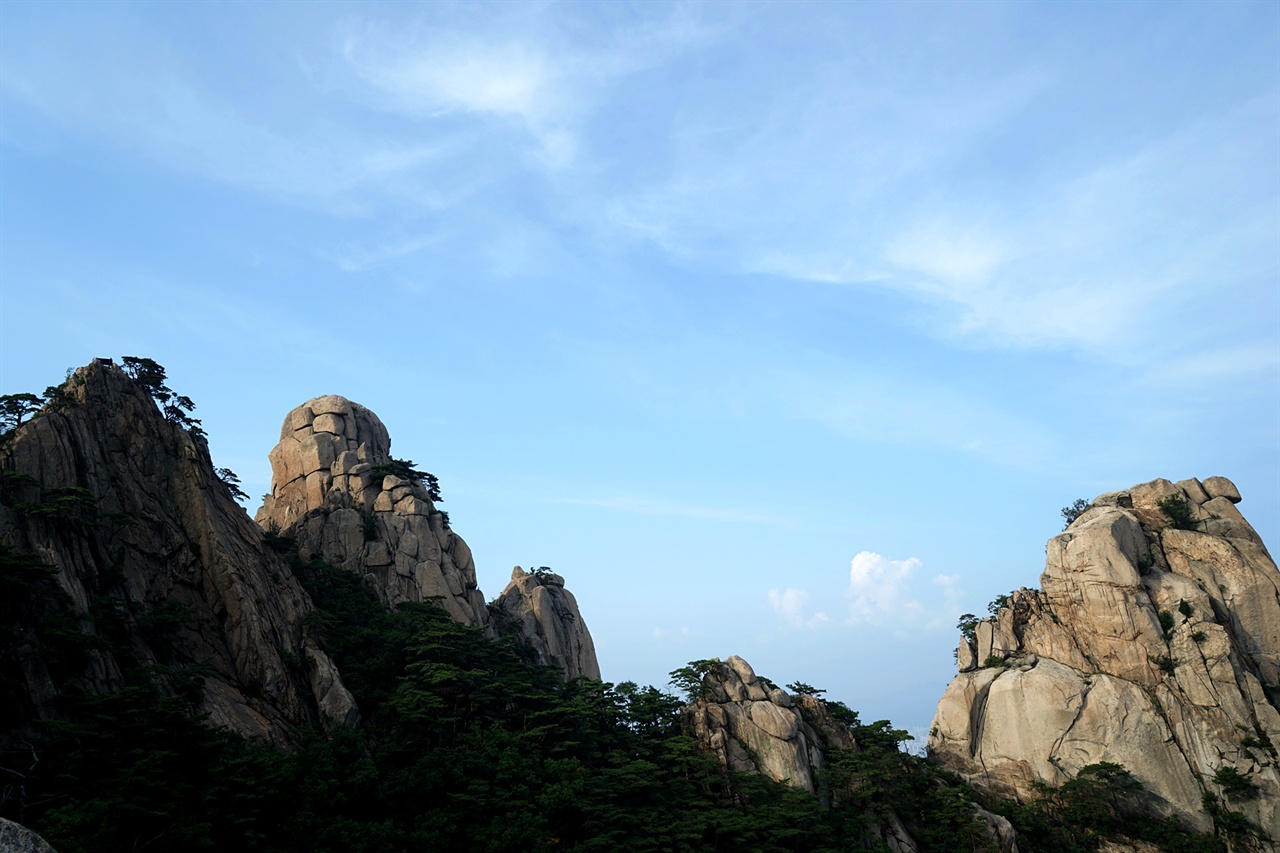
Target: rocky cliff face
(336, 489)
(755, 728)
(542, 615)
(1151, 644)
(752, 726)
(154, 553)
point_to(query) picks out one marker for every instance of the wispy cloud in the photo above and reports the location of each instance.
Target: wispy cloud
(882, 406)
(792, 605)
(1101, 260)
(430, 76)
(535, 74)
(645, 506)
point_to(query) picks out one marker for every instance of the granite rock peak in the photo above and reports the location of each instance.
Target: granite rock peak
(537, 610)
(336, 489)
(1153, 643)
(127, 506)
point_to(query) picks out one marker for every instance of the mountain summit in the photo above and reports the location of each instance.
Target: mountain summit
(1153, 644)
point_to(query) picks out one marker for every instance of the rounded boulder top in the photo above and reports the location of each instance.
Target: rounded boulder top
(338, 416)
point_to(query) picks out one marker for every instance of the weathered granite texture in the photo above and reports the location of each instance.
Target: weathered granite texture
(1150, 646)
(157, 534)
(16, 838)
(330, 490)
(537, 611)
(754, 727)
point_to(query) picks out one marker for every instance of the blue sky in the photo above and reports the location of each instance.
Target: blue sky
(781, 330)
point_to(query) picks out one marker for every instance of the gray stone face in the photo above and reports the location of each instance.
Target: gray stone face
(16, 838)
(1093, 675)
(754, 729)
(178, 539)
(326, 494)
(540, 613)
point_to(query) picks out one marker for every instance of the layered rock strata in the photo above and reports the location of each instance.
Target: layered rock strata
(333, 491)
(151, 548)
(539, 613)
(1150, 645)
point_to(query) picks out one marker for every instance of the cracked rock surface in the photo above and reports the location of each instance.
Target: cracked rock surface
(1152, 646)
(542, 615)
(166, 544)
(329, 493)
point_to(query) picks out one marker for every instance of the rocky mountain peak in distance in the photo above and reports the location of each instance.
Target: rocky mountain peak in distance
(1153, 643)
(337, 491)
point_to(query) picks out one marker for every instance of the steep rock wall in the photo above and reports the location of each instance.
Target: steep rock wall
(328, 492)
(1151, 646)
(157, 539)
(537, 611)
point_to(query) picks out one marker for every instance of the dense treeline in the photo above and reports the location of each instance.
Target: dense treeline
(466, 746)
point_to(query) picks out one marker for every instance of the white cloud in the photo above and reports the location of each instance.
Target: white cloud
(448, 72)
(543, 73)
(880, 592)
(890, 592)
(881, 588)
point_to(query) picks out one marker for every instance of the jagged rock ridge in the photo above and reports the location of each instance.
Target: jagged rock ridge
(160, 534)
(1150, 645)
(539, 612)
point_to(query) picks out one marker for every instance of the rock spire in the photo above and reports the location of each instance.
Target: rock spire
(543, 616)
(336, 489)
(1154, 643)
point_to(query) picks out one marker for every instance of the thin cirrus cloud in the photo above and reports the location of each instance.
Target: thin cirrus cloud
(538, 77)
(148, 97)
(1096, 253)
(511, 80)
(880, 592)
(878, 405)
(647, 506)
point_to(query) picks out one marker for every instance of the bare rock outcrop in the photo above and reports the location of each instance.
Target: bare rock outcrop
(753, 727)
(1153, 645)
(153, 551)
(16, 838)
(336, 489)
(538, 612)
